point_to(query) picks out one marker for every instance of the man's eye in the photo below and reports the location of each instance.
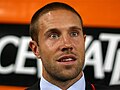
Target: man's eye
(54, 36)
(74, 34)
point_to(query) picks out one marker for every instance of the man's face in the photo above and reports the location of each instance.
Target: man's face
(61, 44)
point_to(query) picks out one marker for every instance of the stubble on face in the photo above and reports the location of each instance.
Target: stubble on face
(53, 71)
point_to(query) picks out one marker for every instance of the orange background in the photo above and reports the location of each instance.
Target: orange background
(11, 88)
(95, 13)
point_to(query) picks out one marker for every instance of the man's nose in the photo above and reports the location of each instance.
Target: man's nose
(66, 44)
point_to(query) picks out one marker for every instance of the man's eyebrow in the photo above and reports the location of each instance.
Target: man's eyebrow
(56, 30)
(51, 30)
(75, 27)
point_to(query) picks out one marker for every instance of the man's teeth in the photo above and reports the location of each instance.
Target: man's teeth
(68, 59)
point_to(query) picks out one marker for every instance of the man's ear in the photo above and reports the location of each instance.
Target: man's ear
(35, 48)
(84, 37)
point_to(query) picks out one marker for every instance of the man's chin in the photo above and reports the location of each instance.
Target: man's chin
(67, 77)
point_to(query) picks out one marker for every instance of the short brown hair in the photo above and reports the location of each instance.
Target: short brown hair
(49, 7)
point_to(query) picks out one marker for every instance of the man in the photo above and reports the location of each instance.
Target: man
(58, 39)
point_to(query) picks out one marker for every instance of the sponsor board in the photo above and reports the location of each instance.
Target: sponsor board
(19, 66)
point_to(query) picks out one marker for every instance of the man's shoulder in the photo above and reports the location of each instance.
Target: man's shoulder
(102, 87)
(35, 86)
(88, 87)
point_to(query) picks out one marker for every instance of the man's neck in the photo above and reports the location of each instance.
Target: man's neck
(64, 85)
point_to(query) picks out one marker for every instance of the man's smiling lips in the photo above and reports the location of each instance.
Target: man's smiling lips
(67, 59)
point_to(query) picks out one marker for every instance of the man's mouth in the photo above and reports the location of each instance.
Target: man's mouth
(67, 58)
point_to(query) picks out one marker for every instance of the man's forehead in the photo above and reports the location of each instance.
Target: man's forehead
(59, 15)
(59, 20)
